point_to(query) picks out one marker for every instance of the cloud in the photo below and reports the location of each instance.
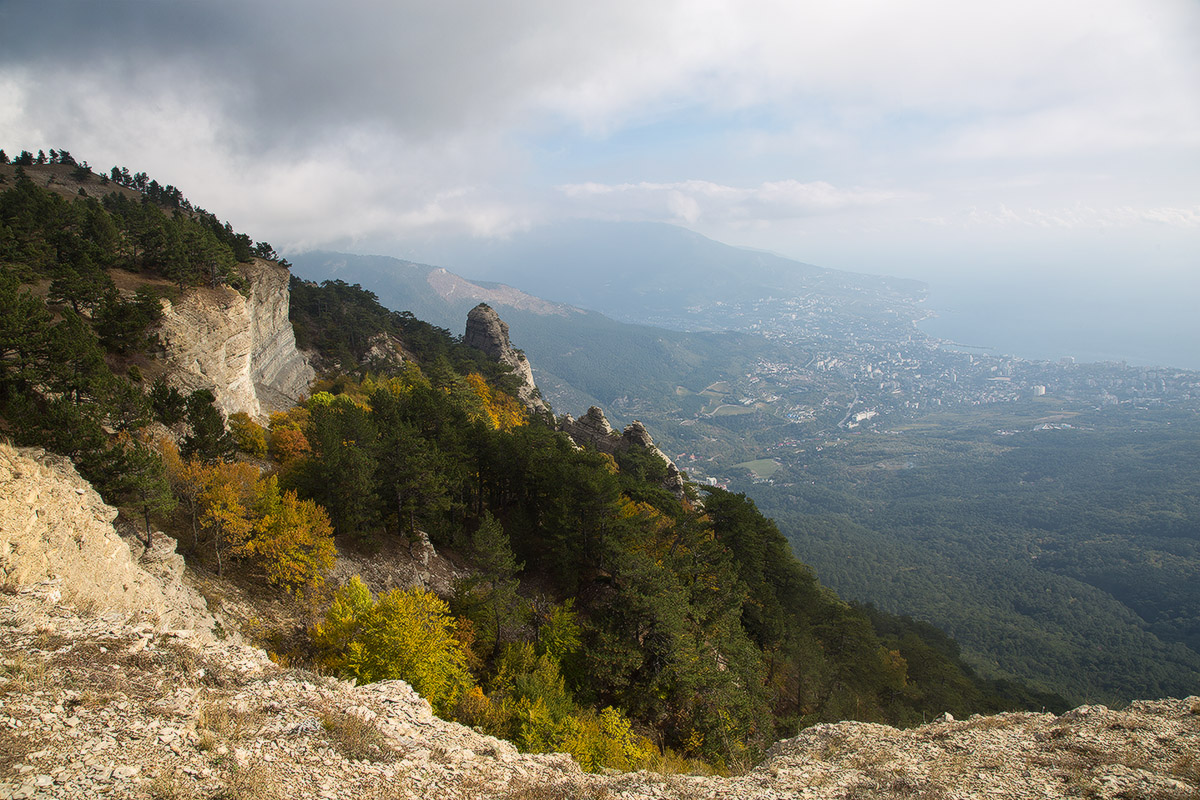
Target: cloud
(704, 203)
(1080, 218)
(308, 120)
(306, 68)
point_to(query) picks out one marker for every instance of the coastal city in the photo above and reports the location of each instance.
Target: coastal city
(835, 371)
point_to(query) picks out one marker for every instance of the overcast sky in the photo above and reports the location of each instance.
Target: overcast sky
(892, 137)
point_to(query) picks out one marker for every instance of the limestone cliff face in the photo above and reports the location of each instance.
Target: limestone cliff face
(594, 429)
(487, 332)
(239, 347)
(57, 536)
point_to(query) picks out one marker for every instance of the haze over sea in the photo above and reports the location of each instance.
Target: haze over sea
(1052, 318)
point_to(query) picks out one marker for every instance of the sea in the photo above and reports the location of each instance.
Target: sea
(1144, 324)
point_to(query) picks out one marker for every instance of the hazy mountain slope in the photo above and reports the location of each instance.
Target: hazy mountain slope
(921, 555)
(580, 358)
(658, 274)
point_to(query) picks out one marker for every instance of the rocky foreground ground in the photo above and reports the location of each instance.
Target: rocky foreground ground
(96, 706)
(115, 682)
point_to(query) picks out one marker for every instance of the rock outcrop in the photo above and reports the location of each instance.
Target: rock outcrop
(487, 332)
(96, 709)
(57, 537)
(102, 696)
(240, 347)
(594, 429)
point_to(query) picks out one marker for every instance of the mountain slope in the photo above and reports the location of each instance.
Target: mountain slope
(580, 358)
(660, 274)
(104, 703)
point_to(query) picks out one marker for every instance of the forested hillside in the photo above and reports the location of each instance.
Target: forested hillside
(1069, 554)
(696, 622)
(599, 613)
(83, 269)
(582, 358)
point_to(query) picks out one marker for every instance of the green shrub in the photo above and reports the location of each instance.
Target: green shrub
(249, 435)
(402, 635)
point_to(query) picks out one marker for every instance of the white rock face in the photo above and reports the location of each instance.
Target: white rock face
(57, 534)
(281, 373)
(240, 348)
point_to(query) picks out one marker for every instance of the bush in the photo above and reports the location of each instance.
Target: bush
(402, 635)
(606, 740)
(249, 435)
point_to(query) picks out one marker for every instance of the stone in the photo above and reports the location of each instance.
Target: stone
(488, 333)
(52, 536)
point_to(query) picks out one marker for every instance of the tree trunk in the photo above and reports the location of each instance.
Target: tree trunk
(149, 535)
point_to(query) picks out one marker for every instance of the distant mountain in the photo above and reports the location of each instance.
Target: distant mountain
(659, 274)
(580, 358)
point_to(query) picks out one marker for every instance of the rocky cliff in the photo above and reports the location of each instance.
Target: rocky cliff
(57, 538)
(240, 347)
(93, 708)
(487, 332)
(594, 429)
(109, 687)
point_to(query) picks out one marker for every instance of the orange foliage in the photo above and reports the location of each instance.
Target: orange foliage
(243, 516)
(288, 445)
(502, 411)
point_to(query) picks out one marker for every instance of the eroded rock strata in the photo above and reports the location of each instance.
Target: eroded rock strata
(240, 347)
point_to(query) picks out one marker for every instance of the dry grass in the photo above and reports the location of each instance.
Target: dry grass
(893, 785)
(381, 789)
(1121, 721)
(356, 738)
(93, 700)
(224, 720)
(22, 673)
(1187, 767)
(170, 787)
(15, 745)
(562, 790)
(255, 782)
(994, 722)
(949, 769)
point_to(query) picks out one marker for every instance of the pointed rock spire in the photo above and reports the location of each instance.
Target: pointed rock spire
(488, 333)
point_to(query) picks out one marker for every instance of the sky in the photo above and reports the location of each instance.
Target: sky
(927, 138)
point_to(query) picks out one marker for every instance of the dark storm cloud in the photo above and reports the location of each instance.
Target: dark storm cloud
(308, 69)
(312, 121)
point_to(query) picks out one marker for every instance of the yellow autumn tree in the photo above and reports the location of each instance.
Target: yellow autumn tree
(501, 411)
(227, 502)
(249, 435)
(189, 479)
(242, 516)
(605, 740)
(407, 635)
(292, 539)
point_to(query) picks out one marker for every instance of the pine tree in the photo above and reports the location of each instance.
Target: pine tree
(489, 597)
(207, 437)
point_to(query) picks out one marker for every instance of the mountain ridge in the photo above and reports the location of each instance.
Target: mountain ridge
(97, 702)
(457, 397)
